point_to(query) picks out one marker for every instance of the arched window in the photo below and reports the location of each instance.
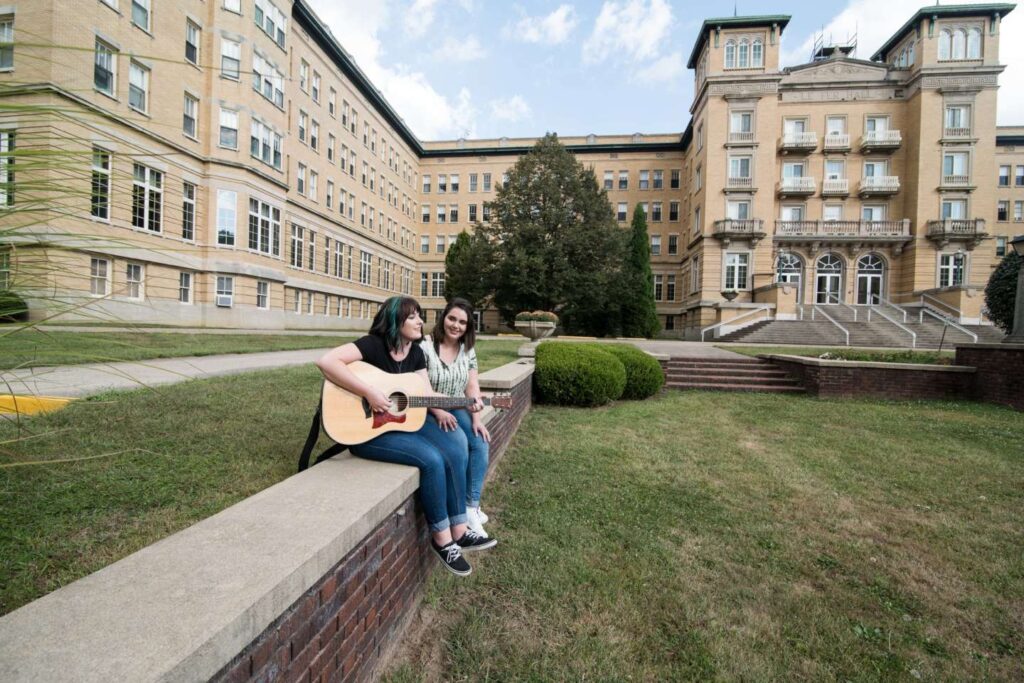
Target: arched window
(945, 44)
(830, 263)
(744, 54)
(788, 263)
(757, 54)
(974, 44)
(959, 43)
(910, 54)
(730, 54)
(870, 263)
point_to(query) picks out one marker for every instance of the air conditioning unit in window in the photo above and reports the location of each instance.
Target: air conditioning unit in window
(224, 301)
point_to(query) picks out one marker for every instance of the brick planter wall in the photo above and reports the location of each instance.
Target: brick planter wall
(346, 625)
(832, 379)
(1000, 372)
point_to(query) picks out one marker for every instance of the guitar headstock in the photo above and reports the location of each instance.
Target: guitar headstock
(502, 401)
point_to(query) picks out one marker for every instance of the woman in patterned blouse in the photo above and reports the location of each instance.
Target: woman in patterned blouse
(451, 364)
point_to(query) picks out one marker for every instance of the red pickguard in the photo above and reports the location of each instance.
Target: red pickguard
(381, 419)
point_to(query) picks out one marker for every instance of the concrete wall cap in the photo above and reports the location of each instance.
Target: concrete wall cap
(506, 376)
(822, 362)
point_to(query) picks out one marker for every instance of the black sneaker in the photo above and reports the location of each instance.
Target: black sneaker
(472, 541)
(452, 559)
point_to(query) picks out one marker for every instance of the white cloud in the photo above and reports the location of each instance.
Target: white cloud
(356, 24)
(662, 70)
(418, 17)
(455, 50)
(633, 29)
(875, 21)
(510, 109)
(552, 29)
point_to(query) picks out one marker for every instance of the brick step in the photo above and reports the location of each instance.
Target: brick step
(728, 379)
(732, 372)
(703, 360)
(730, 366)
(763, 388)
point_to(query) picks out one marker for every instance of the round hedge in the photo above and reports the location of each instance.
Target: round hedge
(643, 372)
(577, 375)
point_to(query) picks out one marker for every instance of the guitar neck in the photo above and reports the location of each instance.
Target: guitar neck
(446, 402)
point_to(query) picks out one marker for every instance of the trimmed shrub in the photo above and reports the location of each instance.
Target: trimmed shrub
(1001, 292)
(643, 372)
(577, 375)
(12, 307)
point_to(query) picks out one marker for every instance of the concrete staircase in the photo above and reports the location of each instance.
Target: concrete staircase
(728, 374)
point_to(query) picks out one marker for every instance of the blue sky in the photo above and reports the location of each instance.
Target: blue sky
(487, 68)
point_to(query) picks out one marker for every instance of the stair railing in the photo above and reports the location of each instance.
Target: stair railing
(840, 302)
(929, 302)
(885, 302)
(948, 323)
(832, 320)
(913, 335)
(752, 311)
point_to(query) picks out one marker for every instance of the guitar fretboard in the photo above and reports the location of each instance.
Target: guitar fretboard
(439, 401)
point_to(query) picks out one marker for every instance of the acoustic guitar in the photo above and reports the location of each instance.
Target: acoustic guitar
(348, 419)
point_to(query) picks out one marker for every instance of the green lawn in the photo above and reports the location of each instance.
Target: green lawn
(713, 536)
(844, 353)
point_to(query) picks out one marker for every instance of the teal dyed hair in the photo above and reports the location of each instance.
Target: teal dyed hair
(387, 324)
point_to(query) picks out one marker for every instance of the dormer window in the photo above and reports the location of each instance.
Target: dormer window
(730, 54)
(960, 43)
(757, 54)
(744, 53)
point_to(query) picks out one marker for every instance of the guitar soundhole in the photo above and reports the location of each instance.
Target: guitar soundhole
(399, 403)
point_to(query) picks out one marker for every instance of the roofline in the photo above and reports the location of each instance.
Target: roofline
(1002, 9)
(734, 22)
(576, 149)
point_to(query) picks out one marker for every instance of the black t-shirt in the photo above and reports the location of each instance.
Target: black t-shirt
(375, 352)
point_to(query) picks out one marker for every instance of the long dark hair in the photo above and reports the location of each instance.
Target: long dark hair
(390, 318)
(468, 337)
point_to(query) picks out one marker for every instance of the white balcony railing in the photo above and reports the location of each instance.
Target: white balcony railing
(956, 180)
(796, 140)
(837, 141)
(799, 185)
(881, 138)
(880, 184)
(866, 229)
(742, 137)
(738, 226)
(957, 228)
(835, 186)
(956, 132)
(741, 183)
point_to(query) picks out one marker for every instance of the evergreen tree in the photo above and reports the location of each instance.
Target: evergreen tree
(554, 242)
(466, 268)
(1001, 292)
(639, 317)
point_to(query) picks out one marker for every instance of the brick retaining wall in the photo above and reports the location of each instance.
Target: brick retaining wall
(848, 379)
(347, 624)
(1000, 372)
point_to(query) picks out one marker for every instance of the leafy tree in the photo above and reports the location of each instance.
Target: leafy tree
(467, 269)
(639, 317)
(555, 243)
(1001, 291)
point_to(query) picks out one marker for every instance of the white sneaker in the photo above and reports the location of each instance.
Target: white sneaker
(473, 521)
(483, 516)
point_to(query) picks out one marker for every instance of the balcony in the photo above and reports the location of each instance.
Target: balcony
(818, 233)
(741, 138)
(837, 142)
(951, 133)
(956, 181)
(969, 230)
(880, 141)
(879, 185)
(738, 228)
(835, 187)
(796, 186)
(740, 184)
(799, 143)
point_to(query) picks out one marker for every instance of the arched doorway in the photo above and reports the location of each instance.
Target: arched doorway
(870, 279)
(789, 269)
(828, 280)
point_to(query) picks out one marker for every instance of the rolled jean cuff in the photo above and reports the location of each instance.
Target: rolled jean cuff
(458, 519)
(472, 503)
(442, 525)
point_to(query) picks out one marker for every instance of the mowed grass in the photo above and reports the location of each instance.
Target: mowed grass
(844, 353)
(145, 464)
(714, 536)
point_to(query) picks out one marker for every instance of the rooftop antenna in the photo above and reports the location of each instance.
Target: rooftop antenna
(736, 9)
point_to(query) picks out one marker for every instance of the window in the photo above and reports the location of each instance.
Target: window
(1003, 210)
(453, 213)
(227, 206)
(442, 213)
(872, 212)
(140, 14)
(104, 76)
(609, 179)
(697, 179)
(1018, 211)
(7, 42)
(303, 125)
(744, 54)
(455, 183)
(185, 287)
(147, 198)
(133, 281)
(730, 54)
(1019, 178)
(6, 168)
(655, 245)
(658, 286)
(316, 87)
(958, 118)
(974, 44)
(741, 122)
(267, 80)
(673, 211)
(951, 270)
(757, 53)
(188, 211)
(99, 277)
(138, 86)
(740, 211)
(875, 169)
(623, 180)
(674, 179)
(832, 212)
(621, 213)
(264, 227)
(835, 169)
(189, 122)
(954, 164)
(673, 245)
(265, 144)
(1004, 176)
(426, 184)
(442, 183)
(659, 180)
(233, 6)
(736, 265)
(100, 201)
(695, 274)
(645, 180)
(192, 42)
(739, 167)
(332, 108)
(1000, 246)
(835, 125)
(954, 209)
(697, 225)
(366, 134)
(656, 211)
(487, 185)
(228, 129)
(437, 284)
(329, 201)
(472, 182)
(425, 209)
(365, 267)
(314, 135)
(487, 213)
(225, 291)
(230, 58)
(439, 244)
(472, 213)
(262, 295)
(271, 20)
(297, 247)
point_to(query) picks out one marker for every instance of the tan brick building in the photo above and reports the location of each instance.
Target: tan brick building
(227, 164)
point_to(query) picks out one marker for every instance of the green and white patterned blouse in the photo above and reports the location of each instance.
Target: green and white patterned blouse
(449, 379)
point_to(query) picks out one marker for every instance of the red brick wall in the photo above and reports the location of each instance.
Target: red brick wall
(829, 381)
(1000, 373)
(349, 621)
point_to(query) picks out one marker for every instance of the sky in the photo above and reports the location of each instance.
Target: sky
(492, 68)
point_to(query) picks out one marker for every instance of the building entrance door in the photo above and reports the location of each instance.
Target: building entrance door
(829, 289)
(870, 272)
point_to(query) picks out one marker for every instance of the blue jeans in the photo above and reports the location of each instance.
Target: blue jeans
(479, 455)
(441, 459)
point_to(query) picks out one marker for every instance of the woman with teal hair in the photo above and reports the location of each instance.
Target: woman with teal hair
(440, 456)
